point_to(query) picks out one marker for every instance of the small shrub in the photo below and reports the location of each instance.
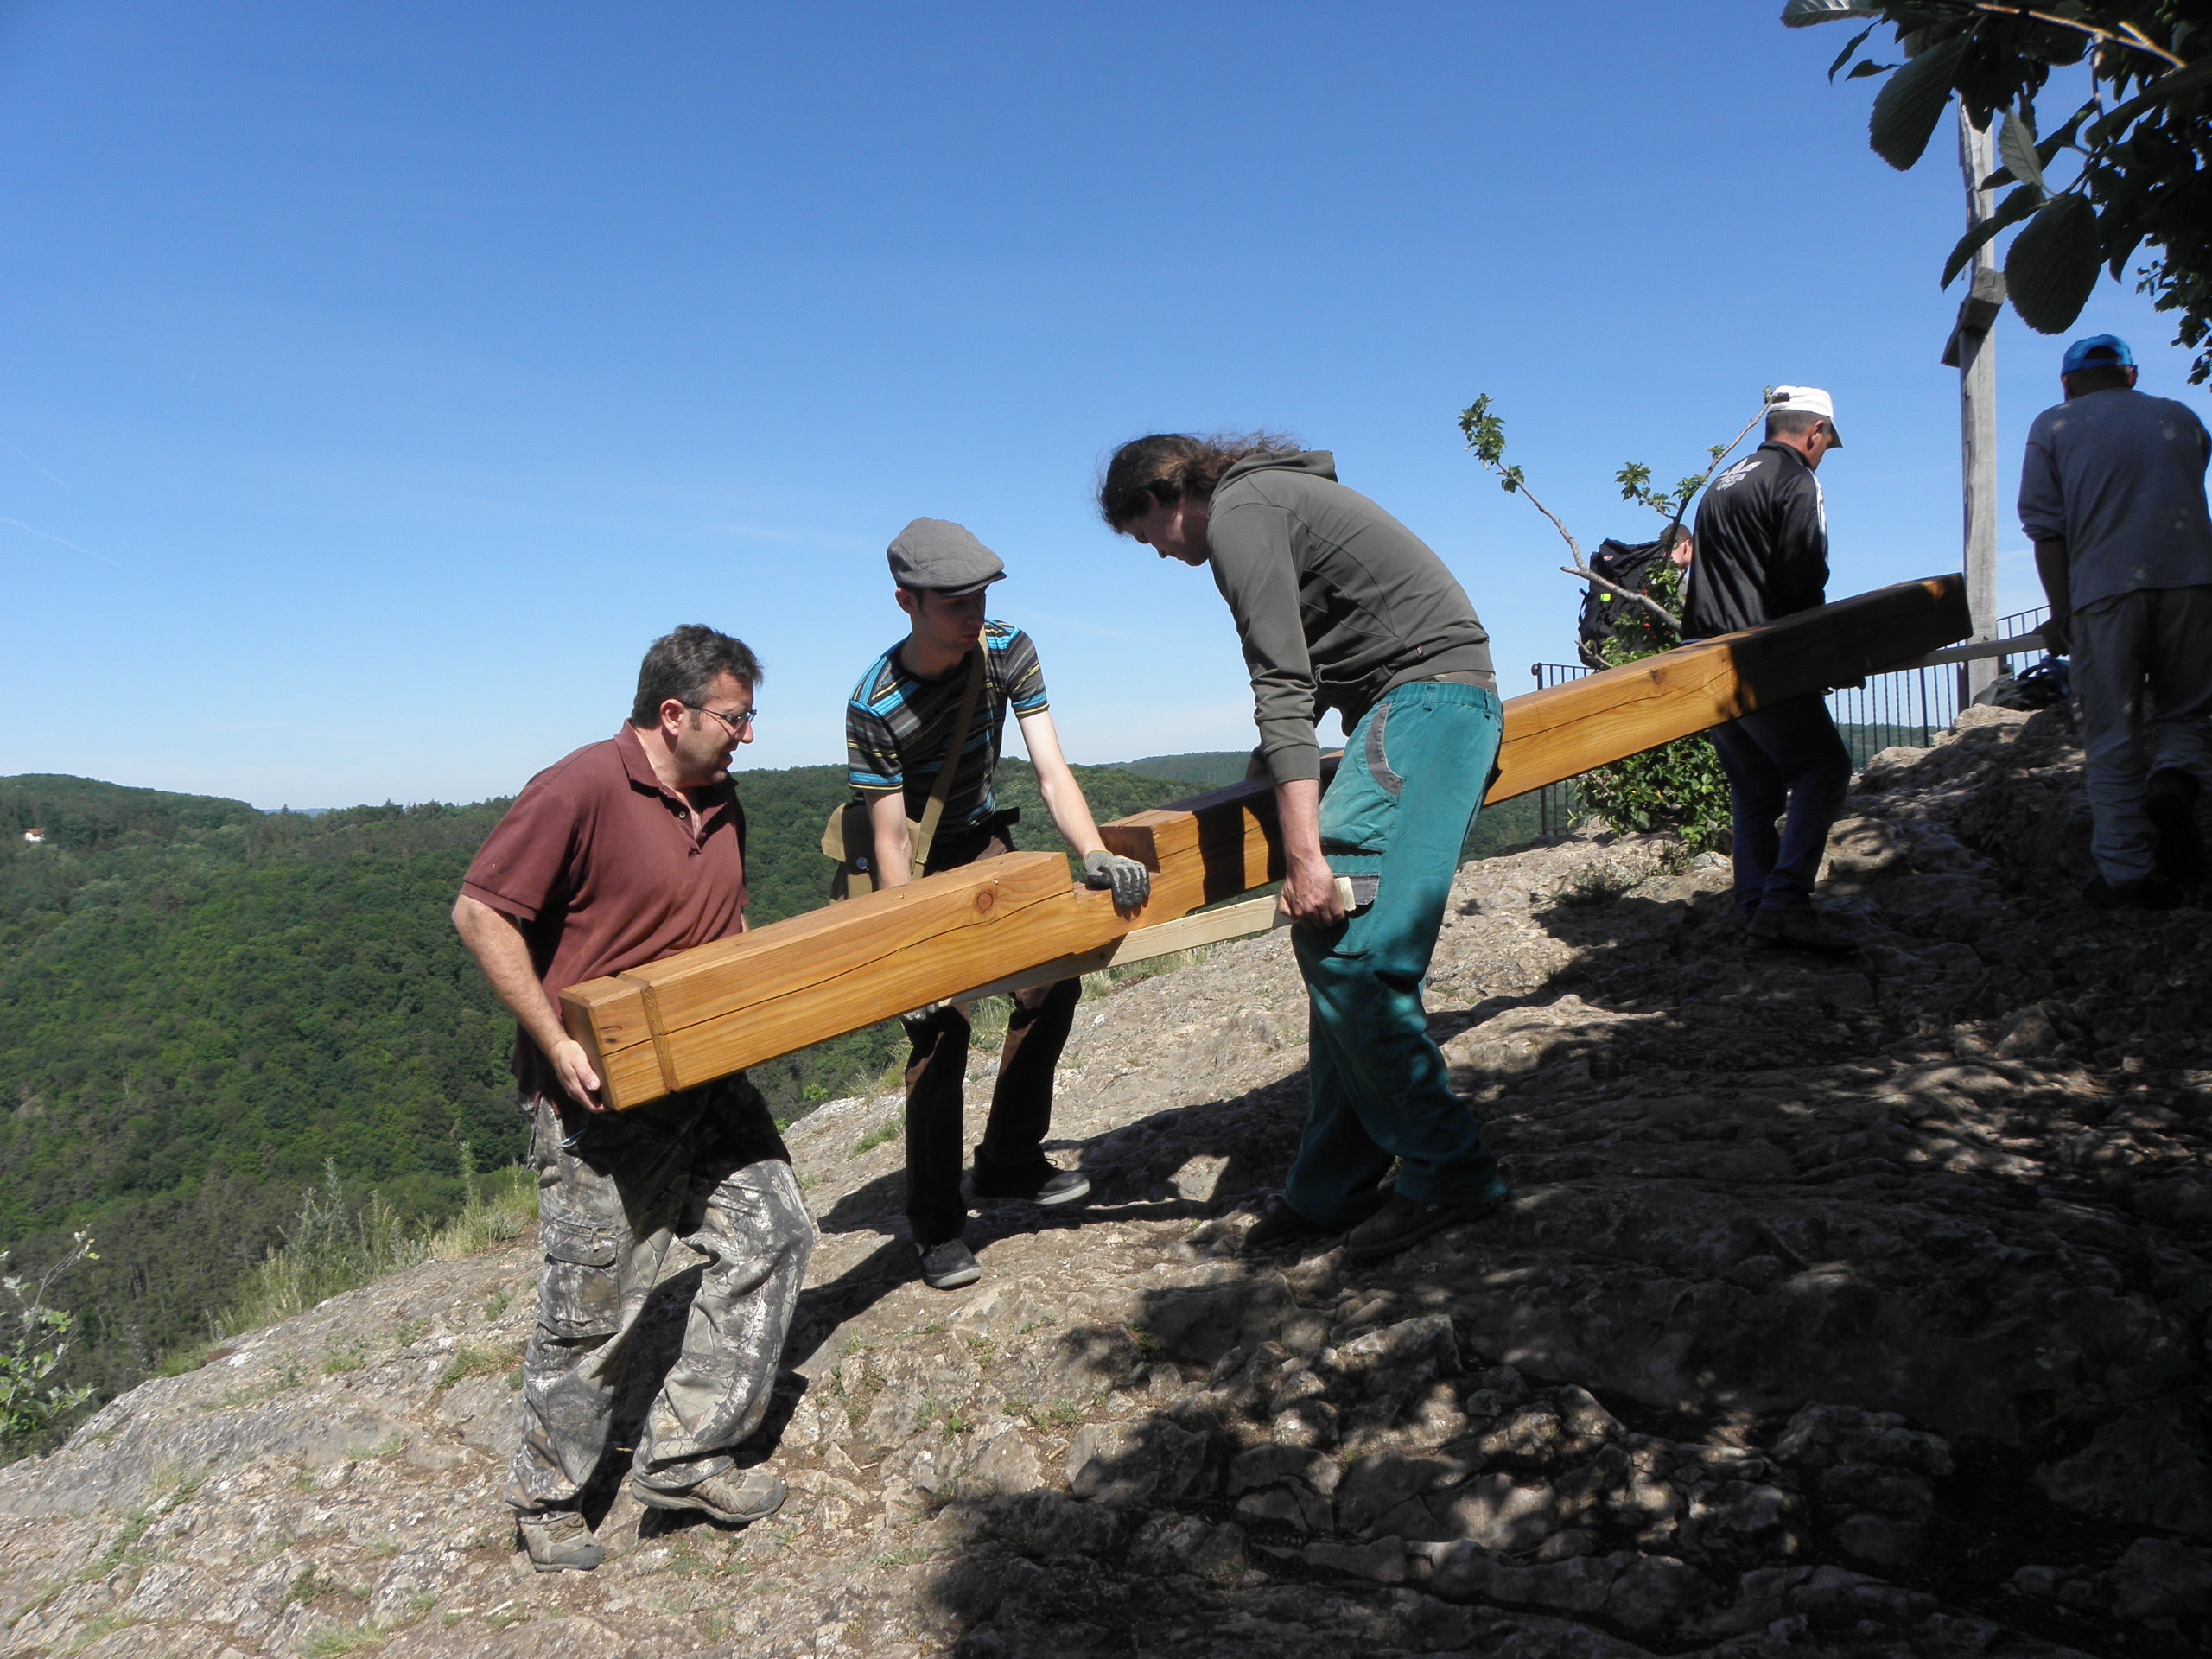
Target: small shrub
(32, 1408)
(473, 1359)
(347, 1638)
(889, 1129)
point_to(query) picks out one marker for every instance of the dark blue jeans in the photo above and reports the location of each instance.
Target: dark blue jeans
(1791, 753)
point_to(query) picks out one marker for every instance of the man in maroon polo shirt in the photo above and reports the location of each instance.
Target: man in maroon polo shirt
(625, 852)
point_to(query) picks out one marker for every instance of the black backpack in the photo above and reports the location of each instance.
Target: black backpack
(1604, 613)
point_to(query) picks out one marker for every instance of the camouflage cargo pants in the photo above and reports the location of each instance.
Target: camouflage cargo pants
(706, 1167)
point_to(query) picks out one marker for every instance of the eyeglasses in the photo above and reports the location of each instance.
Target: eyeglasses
(738, 724)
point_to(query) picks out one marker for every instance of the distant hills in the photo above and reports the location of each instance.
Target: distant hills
(201, 1003)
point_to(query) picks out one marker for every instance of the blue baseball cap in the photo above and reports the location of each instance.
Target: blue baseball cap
(2098, 352)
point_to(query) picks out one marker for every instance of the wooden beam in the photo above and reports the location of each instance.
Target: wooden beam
(702, 1015)
(1551, 735)
(1161, 939)
(1569, 729)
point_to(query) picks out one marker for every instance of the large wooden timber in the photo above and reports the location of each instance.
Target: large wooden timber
(703, 1014)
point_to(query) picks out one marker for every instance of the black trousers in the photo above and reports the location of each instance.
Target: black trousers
(1786, 757)
(937, 1070)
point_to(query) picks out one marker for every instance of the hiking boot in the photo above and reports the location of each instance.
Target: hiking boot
(949, 1265)
(1279, 1224)
(731, 1497)
(2145, 893)
(1403, 1221)
(1795, 929)
(2171, 798)
(1040, 1184)
(559, 1542)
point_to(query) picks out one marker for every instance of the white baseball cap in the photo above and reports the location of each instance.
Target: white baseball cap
(1807, 400)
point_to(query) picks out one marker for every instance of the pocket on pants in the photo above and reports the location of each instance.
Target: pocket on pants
(579, 1289)
(1361, 804)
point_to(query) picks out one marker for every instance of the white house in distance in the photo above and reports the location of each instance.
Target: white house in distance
(34, 836)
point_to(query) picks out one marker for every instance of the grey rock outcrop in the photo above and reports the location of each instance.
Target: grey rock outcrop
(1842, 1307)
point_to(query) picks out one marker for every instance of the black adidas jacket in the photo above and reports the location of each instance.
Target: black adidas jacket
(1762, 545)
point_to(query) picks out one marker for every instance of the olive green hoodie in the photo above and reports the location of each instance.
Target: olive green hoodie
(1336, 602)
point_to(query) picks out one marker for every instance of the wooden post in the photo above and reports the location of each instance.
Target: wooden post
(1973, 352)
(700, 1014)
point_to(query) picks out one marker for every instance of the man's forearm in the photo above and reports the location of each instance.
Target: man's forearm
(1309, 890)
(2050, 567)
(887, 833)
(1298, 807)
(502, 955)
(1069, 812)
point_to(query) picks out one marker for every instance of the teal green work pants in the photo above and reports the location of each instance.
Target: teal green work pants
(1399, 809)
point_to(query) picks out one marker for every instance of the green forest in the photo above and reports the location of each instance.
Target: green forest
(201, 1003)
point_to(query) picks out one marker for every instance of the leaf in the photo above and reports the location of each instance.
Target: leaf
(2051, 268)
(1870, 67)
(1844, 56)
(2012, 211)
(1803, 14)
(1912, 101)
(2016, 148)
(2016, 206)
(2170, 85)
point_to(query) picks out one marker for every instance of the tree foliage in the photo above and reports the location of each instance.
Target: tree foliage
(33, 1407)
(1678, 786)
(2138, 146)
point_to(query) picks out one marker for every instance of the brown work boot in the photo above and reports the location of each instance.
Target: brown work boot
(734, 1499)
(1401, 1222)
(559, 1542)
(1279, 1225)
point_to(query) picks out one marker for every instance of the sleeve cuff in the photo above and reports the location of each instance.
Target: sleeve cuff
(1291, 763)
(501, 902)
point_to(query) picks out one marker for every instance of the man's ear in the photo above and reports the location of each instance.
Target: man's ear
(909, 601)
(2131, 378)
(672, 713)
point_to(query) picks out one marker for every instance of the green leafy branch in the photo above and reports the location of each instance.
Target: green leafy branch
(1484, 431)
(1485, 434)
(2143, 140)
(30, 1403)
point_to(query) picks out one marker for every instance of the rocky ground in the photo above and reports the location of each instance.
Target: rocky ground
(1850, 1306)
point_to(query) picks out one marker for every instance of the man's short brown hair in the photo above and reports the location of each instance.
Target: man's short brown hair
(685, 664)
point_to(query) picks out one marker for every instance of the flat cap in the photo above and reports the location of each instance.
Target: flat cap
(943, 557)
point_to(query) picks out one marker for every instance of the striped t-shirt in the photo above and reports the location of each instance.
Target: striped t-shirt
(899, 724)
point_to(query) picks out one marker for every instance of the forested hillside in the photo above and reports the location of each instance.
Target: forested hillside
(201, 1003)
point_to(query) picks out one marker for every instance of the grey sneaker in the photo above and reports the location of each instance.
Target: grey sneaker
(1046, 1185)
(949, 1265)
(730, 1497)
(559, 1542)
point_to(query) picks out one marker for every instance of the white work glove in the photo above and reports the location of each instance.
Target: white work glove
(1130, 881)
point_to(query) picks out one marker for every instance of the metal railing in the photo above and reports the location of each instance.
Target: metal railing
(1905, 710)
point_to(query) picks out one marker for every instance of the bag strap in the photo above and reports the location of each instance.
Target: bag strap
(922, 840)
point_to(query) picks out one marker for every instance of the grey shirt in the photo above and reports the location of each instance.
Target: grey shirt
(1336, 602)
(2119, 476)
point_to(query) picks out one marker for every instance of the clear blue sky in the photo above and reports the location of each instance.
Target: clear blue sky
(378, 379)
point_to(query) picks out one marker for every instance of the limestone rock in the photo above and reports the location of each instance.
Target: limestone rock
(1130, 1464)
(2147, 1465)
(1793, 1247)
(2157, 1578)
